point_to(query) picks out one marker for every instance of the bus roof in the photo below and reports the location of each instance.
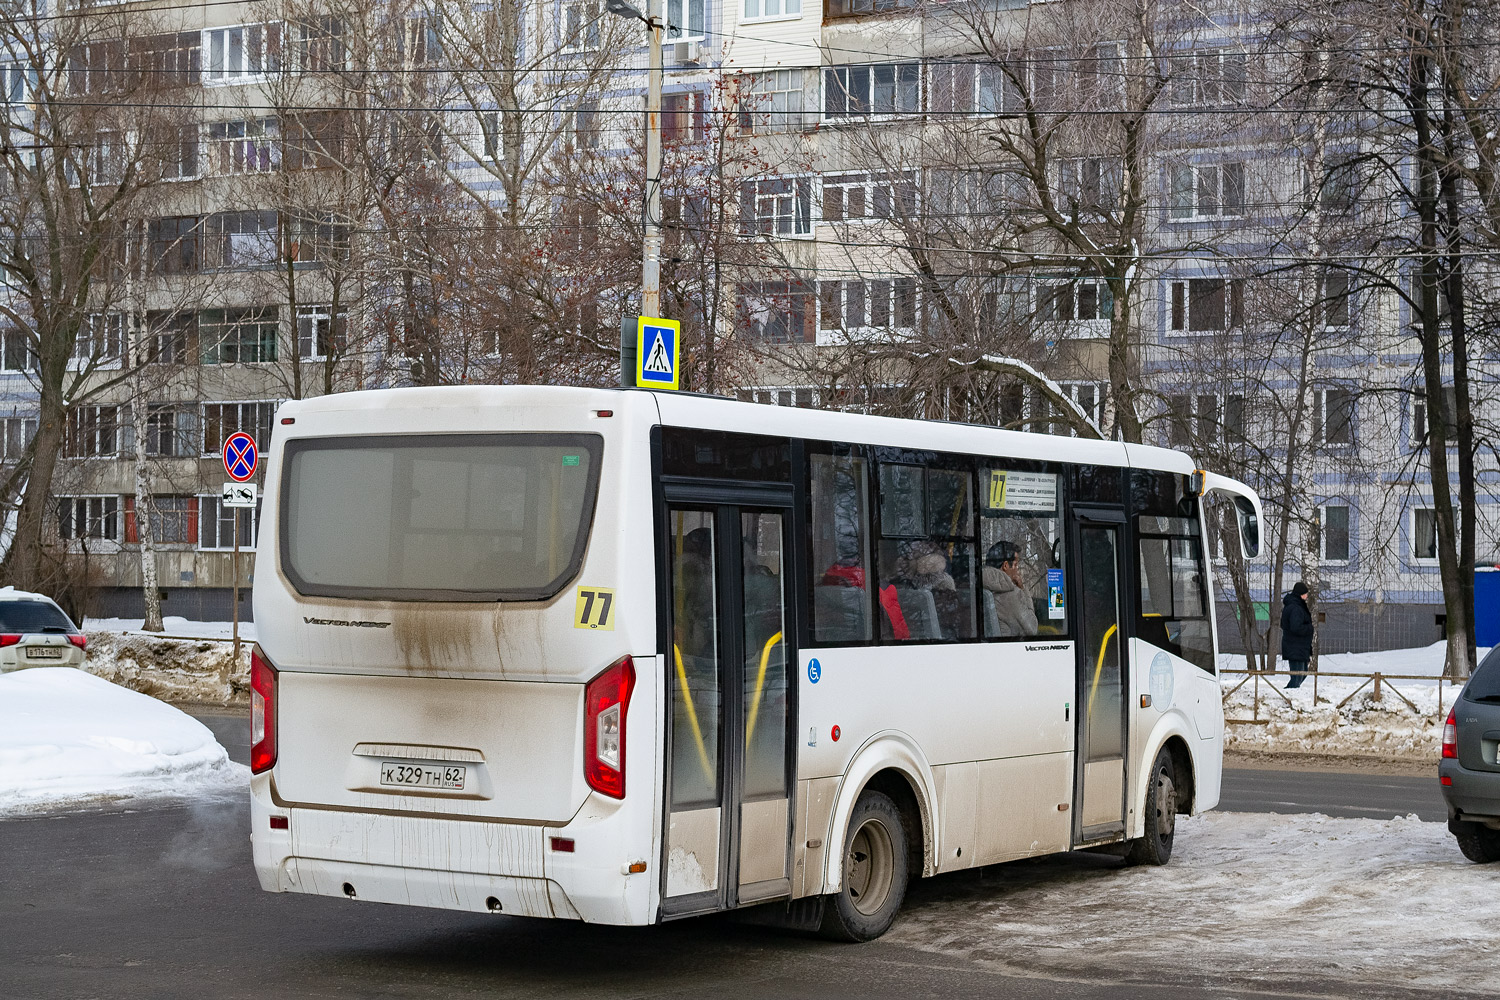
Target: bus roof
(710, 412)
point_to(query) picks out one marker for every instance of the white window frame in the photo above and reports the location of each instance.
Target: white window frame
(110, 331)
(224, 526)
(681, 22)
(759, 11)
(581, 26)
(870, 292)
(1234, 291)
(898, 69)
(1196, 173)
(16, 434)
(1323, 557)
(1417, 403)
(1188, 68)
(1088, 326)
(264, 35)
(242, 146)
(758, 111)
(75, 433)
(214, 449)
(1411, 526)
(317, 314)
(1320, 415)
(104, 518)
(894, 186)
(753, 226)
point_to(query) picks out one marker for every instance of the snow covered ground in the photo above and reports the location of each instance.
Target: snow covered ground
(176, 627)
(1271, 897)
(1366, 727)
(68, 738)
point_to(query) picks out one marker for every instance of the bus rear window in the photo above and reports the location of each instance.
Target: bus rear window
(462, 517)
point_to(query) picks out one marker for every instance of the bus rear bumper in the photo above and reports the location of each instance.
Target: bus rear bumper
(522, 897)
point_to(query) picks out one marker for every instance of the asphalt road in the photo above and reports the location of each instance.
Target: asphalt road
(162, 903)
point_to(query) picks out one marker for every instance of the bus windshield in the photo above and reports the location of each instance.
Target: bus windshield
(438, 517)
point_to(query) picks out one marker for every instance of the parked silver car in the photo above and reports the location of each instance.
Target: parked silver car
(1470, 767)
(35, 632)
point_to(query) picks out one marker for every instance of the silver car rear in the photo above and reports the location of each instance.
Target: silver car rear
(1470, 768)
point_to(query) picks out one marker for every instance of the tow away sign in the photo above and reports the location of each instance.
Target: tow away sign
(239, 495)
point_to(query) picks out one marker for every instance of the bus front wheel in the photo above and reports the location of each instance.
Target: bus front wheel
(875, 872)
(1155, 848)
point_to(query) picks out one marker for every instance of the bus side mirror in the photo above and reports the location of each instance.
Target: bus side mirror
(1249, 527)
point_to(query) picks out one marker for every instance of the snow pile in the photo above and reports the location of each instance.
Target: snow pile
(67, 738)
(172, 669)
(1404, 723)
(173, 627)
(1279, 897)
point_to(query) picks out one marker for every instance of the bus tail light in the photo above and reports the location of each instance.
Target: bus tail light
(262, 712)
(1450, 736)
(606, 702)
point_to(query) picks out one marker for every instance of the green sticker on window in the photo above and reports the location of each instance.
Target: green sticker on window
(570, 460)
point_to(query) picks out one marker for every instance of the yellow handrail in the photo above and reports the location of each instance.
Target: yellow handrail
(687, 701)
(760, 683)
(1099, 668)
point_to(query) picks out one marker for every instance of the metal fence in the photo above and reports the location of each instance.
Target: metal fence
(1377, 681)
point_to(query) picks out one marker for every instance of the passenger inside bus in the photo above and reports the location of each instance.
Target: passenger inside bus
(1006, 595)
(841, 592)
(929, 596)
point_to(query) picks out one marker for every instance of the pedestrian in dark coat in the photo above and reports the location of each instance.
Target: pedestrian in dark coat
(1296, 633)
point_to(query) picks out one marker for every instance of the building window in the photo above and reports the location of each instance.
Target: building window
(1208, 78)
(320, 45)
(1424, 533)
(322, 238)
(1208, 191)
(170, 337)
(1340, 184)
(774, 101)
(168, 60)
(15, 351)
(684, 116)
(241, 54)
(849, 197)
(422, 40)
(1088, 397)
(223, 419)
(880, 304)
(216, 524)
(581, 26)
(1335, 298)
(880, 89)
(776, 312)
(88, 517)
(249, 146)
(780, 206)
(1420, 423)
(16, 83)
(1334, 412)
(321, 335)
(16, 434)
(101, 341)
(1090, 183)
(172, 430)
(969, 88)
(174, 520)
(95, 431)
(856, 8)
(97, 67)
(1201, 305)
(585, 127)
(240, 239)
(489, 134)
(173, 244)
(684, 21)
(1205, 418)
(237, 336)
(756, 10)
(179, 156)
(1078, 299)
(1333, 532)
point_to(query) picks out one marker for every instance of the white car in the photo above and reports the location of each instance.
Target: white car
(35, 632)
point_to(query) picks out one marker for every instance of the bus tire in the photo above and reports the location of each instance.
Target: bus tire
(1155, 848)
(875, 872)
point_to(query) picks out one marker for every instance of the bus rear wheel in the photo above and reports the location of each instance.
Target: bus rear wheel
(874, 875)
(1155, 848)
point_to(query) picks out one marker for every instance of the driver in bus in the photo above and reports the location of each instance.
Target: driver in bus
(1002, 578)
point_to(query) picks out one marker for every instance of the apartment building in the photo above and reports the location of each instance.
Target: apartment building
(870, 211)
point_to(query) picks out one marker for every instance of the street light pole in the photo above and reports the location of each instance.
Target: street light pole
(655, 21)
(651, 248)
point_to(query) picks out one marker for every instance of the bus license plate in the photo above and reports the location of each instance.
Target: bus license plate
(401, 775)
(43, 653)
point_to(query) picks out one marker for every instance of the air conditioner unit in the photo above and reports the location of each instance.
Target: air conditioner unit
(689, 52)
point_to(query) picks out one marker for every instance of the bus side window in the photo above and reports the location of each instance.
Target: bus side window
(1173, 594)
(838, 491)
(1021, 542)
(926, 554)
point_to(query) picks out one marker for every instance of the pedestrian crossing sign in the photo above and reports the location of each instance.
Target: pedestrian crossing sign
(657, 353)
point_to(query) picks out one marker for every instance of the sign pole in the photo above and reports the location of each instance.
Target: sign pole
(236, 598)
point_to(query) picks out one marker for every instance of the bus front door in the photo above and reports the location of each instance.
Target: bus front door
(1099, 813)
(729, 749)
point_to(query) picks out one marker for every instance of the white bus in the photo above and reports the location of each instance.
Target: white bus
(623, 656)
